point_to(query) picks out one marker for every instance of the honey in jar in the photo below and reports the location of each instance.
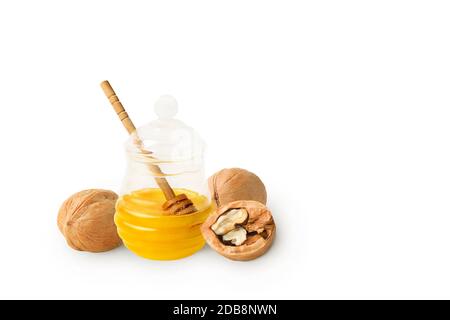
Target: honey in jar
(176, 151)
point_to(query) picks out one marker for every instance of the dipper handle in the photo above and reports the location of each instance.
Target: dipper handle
(118, 107)
(129, 126)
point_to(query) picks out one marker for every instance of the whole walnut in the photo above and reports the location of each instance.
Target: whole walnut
(86, 220)
(233, 184)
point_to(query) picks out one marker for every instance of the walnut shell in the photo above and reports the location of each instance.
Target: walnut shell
(260, 228)
(86, 220)
(234, 184)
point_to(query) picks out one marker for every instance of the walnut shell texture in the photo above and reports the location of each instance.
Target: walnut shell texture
(257, 243)
(234, 184)
(86, 219)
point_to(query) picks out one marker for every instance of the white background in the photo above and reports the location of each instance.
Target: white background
(341, 107)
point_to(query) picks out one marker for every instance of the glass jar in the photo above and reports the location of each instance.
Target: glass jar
(165, 151)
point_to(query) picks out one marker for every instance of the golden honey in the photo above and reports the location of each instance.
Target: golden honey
(150, 233)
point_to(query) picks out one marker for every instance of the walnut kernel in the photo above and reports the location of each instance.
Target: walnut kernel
(248, 238)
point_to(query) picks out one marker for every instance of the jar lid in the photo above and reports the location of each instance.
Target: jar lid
(166, 139)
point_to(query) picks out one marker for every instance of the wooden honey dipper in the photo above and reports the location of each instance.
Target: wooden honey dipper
(175, 204)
